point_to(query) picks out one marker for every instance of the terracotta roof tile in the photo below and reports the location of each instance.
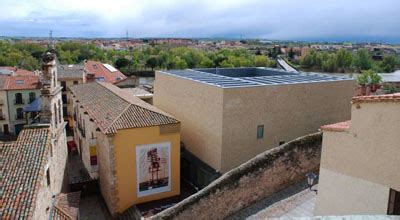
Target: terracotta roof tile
(377, 98)
(99, 70)
(341, 126)
(22, 165)
(22, 82)
(18, 71)
(66, 206)
(113, 108)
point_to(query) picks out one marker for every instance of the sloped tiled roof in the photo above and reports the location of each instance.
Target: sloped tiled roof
(66, 206)
(17, 71)
(99, 70)
(70, 71)
(22, 80)
(23, 163)
(113, 108)
(341, 126)
(377, 98)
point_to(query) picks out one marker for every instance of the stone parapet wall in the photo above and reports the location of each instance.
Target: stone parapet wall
(260, 177)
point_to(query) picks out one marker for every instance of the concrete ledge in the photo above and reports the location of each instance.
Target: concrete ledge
(262, 176)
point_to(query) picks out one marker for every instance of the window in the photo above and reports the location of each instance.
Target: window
(48, 177)
(64, 85)
(20, 113)
(55, 115)
(19, 81)
(260, 131)
(394, 202)
(64, 98)
(65, 111)
(75, 82)
(32, 97)
(18, 98)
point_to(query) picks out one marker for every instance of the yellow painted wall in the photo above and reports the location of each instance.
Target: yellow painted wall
(125, 142)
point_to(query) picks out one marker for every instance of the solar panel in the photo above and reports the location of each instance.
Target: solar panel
(246, 77)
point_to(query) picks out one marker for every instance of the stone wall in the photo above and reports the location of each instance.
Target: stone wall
(260, 177)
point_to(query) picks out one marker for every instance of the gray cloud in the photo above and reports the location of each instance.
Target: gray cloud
(272, 19)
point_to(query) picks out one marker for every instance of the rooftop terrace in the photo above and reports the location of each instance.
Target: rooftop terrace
(251, 76)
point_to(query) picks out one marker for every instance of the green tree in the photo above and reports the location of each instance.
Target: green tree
(343, 59)
(363, 60)
(389, 63)
(152, 62)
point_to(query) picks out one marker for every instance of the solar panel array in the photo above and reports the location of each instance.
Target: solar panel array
(232, 82)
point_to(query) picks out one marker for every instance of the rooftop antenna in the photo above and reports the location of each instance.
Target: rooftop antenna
(127, 36)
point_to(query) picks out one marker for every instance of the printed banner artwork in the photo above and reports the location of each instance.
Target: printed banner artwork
(153, 168)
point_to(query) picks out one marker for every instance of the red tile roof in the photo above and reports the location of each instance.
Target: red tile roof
(99, 70)
(23, 163)
(113, 108)
(66, 206)
(377, 98)
(341, 126)
(18, 71)
(22, 80)
(22, 83)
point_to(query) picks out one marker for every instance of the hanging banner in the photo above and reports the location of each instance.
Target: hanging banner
(153, 168)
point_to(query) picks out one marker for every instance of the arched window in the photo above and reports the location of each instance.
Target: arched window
(55, 114)
(18, 98)
(32, 97)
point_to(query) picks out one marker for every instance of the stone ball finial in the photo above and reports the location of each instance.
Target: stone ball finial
(49, 56)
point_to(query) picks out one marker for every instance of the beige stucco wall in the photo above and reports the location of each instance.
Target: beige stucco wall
(286, 111)
(340, 194)
(220, 125)
(199, 108)
(370, 149)
(360, 164)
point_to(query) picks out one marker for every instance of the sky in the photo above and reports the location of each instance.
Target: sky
(303, 20)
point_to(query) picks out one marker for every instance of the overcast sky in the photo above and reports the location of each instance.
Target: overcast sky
(332, 20)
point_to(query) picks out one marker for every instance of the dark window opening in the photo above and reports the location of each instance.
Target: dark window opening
(394, 202)
(75, 82)
(64, 85)
(18, 98)
(281, 142)
(32, 97)
(20, 113)
(260, 131)
(48, 176)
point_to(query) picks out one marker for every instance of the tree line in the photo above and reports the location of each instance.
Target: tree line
(346, 61)
(28, 56)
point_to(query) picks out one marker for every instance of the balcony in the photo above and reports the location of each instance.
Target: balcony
(19, 102)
